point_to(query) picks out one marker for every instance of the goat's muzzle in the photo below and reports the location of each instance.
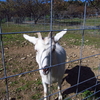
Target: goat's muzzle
(46, 70)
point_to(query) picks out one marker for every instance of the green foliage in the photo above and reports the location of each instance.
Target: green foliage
(3, 20)
(38, 82)
(36, 96)
(40, 8)
(13, 83)
(24, 87)
(88, 93)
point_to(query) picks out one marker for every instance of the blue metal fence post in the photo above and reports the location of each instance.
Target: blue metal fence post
(82, 44)
(3, 63)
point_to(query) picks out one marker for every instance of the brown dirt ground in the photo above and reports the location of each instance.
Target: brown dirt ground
(28, 87)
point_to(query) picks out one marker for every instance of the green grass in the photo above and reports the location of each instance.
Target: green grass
(15, 28)
(91, 37)
(69, 20)
(75, 38)
(36, 96)
(14, 83)
(89, 21)
(88, 94)
(93, 21)
(92, 40)
(28, 86)
(38, 82)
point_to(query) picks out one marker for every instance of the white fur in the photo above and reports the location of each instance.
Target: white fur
(43, 47)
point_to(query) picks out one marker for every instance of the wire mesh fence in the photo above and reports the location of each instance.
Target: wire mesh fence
(19, 71)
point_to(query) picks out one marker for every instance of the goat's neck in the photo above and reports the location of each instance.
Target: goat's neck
(54, 58)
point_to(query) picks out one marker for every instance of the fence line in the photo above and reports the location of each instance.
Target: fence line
(75, 86)
(98, 98)
(81, 50)
(90, 95)
(82, 43)
(6, 77)
(48, 67)
(92, 28)
(82, 92)
(3, 63)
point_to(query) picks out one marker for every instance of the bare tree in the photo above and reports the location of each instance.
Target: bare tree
(37, 8)
(95, 4)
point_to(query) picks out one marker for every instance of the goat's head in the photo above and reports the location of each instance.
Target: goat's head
(43, 48)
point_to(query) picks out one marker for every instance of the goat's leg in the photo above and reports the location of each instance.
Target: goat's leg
(59, 88)
(45, 91)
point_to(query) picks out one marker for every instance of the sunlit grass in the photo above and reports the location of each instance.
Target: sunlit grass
(91, 36)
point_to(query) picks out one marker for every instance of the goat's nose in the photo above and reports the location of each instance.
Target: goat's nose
(46, 70)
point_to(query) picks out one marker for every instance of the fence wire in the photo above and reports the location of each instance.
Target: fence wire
(49, 67)
(3, 63)
(80, 59)
(78, 92)
(6, 77)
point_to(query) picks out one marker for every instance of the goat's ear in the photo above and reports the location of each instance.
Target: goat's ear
(30, 38)
(59, 35)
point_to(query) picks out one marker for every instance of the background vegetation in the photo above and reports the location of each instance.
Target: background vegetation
(19, 9)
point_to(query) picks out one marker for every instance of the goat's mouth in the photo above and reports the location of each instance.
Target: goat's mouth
(45, 71)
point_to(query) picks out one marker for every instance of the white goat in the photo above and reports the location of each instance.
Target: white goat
(43, 47)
